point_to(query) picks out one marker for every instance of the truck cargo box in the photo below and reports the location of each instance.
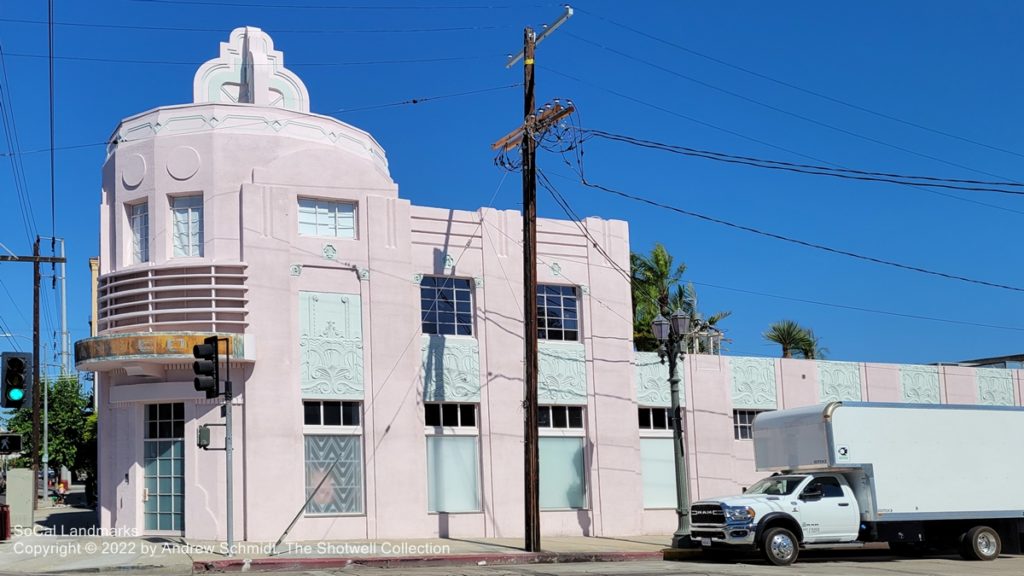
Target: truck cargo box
(920, 461)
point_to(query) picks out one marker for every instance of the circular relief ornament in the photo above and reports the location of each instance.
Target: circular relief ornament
(133, 171)
(183, 163)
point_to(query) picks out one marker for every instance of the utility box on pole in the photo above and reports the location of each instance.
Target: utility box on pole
(19, 496)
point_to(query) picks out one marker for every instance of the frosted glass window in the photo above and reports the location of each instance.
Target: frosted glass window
(657, 466)
(562, 483)
(340, 460)
(319, 217)
(453, 474)
(138, 220)
(188, 225)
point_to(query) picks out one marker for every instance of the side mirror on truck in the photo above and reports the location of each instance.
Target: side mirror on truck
(811, 495)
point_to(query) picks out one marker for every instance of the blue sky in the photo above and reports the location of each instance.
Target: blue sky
(654, 70)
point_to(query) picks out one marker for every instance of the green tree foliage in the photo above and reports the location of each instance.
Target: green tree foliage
(794, 338)
(657, 285)
(70, 436)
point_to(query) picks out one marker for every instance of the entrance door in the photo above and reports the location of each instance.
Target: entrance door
(164, 462)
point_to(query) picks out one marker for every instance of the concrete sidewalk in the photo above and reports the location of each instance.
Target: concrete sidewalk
(64, 540)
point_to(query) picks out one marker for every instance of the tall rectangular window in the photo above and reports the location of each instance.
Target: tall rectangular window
(557, 313)
(164, 467)
(188, 225)
(319, 217)
(562, 464)
(453, 463)
(138, 221)
(333, 456)
(446, 305)
(657, 457)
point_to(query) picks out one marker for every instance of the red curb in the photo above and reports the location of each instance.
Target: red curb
(286, 564)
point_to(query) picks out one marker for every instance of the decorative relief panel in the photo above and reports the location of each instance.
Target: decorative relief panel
(562, 375)
(920, 384)
(331, 346)
(995, 386)
(753, 383)
(652, 386)
(451, 369)
(838, 381)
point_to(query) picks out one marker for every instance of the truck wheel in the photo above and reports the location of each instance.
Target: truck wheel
(980, 543)
(779, 546)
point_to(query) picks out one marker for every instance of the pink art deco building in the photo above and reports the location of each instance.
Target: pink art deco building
(378, 344)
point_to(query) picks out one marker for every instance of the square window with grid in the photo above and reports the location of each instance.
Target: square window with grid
(654, 419)
(743, 423)
(165, 421)
(557, 313)
(449, 414)
(560, 417)
(330, 413)
(319, 217)
(446, 305)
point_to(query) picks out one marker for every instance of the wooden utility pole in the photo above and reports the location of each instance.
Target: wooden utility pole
(35, 259)
(533, 124)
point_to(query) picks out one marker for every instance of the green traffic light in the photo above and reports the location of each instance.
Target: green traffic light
(15, 394)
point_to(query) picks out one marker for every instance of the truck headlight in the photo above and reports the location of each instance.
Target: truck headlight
(739, 513)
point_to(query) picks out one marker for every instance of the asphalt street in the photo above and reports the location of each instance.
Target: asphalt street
(811, 566)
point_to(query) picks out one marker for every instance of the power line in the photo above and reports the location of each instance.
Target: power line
(759, 141)
(799, 242)
(391, 105)
(344, 7)
(14, 145)
(429, 98)
(274, 30)
(800, 88)
(295, 64)
(783, 110)
(567, 208)
(931, 181)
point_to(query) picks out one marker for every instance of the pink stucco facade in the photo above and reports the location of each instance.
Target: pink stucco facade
(251, 151)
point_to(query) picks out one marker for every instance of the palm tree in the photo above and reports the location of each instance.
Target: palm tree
(812, 349)
(790, 335)
(653, 278)
(685, 299)
(656, 285)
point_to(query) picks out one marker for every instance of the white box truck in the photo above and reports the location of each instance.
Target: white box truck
(918, 477)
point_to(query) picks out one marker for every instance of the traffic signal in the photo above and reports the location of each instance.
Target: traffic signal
(207, 367)
(16, 379)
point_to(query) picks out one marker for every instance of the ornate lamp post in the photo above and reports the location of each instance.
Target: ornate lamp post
(672, 334)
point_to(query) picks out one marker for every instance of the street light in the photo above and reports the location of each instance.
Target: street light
(672, 335)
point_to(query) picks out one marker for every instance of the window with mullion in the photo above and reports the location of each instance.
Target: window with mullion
(557, 316)
(138, 220)
(188, 225)
(446, 306)
(319, 217)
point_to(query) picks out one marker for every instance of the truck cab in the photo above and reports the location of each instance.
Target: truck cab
(847, 473)
(781, 513)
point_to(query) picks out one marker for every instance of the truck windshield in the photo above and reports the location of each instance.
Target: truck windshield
(776, 485)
